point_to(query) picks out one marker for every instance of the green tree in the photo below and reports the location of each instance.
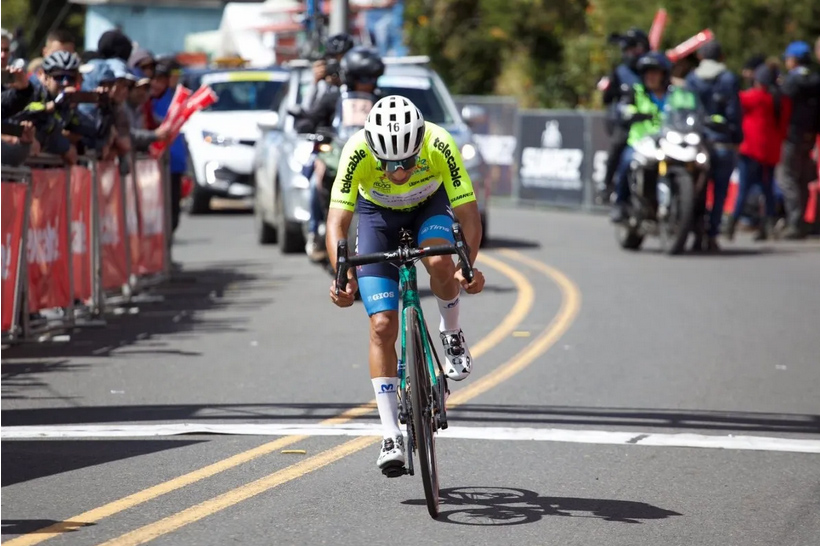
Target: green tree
(38, 17)
(552, 54)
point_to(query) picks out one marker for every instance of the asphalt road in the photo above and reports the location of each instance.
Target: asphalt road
(610, 404)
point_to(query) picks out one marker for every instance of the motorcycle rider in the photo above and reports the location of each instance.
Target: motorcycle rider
(345, 109)
(634, 44)
(717, 89)
(642, 108)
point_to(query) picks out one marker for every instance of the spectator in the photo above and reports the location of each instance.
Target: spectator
(634, 43)
(116, 83)
(16, 149)
(802, 86)
(143, 60)
(18, 46)
(19, 92)
(34, 66)
(717, 89)
(52, 111)
(59, 40)
(765, 121)
(749, 68)
(141, 138)
(161, 95)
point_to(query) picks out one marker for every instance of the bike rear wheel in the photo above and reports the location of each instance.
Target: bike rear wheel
(421, 392)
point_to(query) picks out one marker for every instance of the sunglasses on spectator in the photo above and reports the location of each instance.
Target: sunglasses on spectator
(64, 78)
(390, 166)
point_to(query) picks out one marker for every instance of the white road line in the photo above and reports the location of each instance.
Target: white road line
(754, 443)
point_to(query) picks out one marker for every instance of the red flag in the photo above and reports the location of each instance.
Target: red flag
(690, 46)
(656, 32)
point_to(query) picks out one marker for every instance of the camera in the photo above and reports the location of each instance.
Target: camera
(7, 77)
(332, 67)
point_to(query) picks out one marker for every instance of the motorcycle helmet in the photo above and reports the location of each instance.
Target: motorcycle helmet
(338, 44)
(361, 65)
(632, 38)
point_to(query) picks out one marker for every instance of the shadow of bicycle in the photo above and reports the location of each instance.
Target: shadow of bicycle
(512, 506)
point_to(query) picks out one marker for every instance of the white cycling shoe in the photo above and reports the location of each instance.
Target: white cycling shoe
(458, 362)
(391, 457)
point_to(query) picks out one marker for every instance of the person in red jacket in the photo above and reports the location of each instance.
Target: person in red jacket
(766, 116)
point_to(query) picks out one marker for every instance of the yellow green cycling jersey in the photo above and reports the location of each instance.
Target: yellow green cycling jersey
(439, 162)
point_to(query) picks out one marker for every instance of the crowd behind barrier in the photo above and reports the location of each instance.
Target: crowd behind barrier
(79, 240)
(558, 157)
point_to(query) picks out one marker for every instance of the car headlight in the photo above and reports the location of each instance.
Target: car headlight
(468, 152)
(216, 139)
(692, 139)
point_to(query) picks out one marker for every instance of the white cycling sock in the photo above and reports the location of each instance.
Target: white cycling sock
(388, 404)
(449, 314)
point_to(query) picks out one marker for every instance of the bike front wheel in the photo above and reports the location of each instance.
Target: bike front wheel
(421, 393)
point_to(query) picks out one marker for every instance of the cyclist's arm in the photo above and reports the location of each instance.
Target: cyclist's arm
(449, 165)
(338, 226)
(343, 195)
(470, 219)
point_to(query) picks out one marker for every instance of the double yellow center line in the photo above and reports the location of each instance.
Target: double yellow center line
(524, 301)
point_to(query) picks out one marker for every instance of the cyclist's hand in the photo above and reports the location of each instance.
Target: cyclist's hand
(471, 287)
(346, 298)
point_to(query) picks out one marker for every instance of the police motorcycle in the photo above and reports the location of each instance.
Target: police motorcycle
(669, 169)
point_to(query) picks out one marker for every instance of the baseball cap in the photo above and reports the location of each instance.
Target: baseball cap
(139, 77)
(119, 69)
(798, 49)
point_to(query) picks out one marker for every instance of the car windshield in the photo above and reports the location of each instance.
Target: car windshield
(246, 95)
(421, 92)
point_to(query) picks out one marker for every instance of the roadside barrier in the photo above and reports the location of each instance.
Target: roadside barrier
(557, 157)
(78, 241)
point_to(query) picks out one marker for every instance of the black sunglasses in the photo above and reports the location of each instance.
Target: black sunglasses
(64, 78)
(390, 166)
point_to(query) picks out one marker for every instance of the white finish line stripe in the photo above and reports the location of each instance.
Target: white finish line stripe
(754, 443)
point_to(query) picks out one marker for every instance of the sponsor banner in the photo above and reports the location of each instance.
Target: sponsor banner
(112, 227)
(81, 231)
(46, 252)
(13, 200)
(495, 138)
(600, 150)
(552, 157)
(152, 211)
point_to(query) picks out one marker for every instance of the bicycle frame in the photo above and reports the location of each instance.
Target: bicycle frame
(410, 299)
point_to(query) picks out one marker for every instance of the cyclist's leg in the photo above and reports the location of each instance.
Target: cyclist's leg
(378, 231)
(434, 227)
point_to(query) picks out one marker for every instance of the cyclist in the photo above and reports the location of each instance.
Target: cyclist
(402, 172)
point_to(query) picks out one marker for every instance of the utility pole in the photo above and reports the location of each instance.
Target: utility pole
(339, 16)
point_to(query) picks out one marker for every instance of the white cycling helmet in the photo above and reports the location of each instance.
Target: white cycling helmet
(394, 129)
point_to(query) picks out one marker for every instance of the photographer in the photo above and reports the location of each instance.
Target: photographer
(53, 111)
(327, 68)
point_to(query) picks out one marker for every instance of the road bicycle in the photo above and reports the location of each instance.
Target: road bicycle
(422, 384)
